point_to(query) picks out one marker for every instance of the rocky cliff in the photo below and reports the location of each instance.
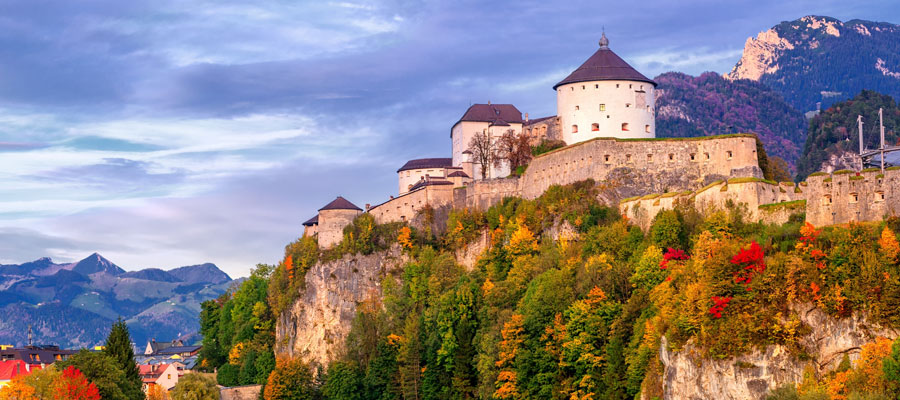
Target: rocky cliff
(752, 376)
(316, 326)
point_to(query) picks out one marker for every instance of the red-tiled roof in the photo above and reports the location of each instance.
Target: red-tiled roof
(604, 65)
(493, 112)
(12, 368)
(312, 221)
(340, 203)
(426, 163)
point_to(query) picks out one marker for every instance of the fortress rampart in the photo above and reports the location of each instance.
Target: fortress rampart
(848, 196)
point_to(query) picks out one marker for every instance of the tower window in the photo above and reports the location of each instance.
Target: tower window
(650, 158)
(582, 87)
(693, 157)
(671, 156)
(577, 108)
(573, 88)
(879, 196)
(629, 86)
(606, 158)
(854, 198)
(617, 86)
(624, 126)
(628, 158)
(603, 107)
(647, 128)
(595, 127)
(707, 155)
(627, 105)
(729, 154)
(596, 86)
(827, 199)
(574, 128)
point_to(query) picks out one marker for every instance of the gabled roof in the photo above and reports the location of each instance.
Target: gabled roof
(507, 113)
(426, 163)
(340, 203)
(312, 221)
(12, 368)
(604, 65)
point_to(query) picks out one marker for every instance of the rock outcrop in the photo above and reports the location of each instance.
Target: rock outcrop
(316, 326)
(752, 376)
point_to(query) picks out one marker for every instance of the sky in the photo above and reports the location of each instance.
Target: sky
(175, 132)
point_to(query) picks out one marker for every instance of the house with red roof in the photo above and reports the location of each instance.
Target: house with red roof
(163, 375)
(10, 369)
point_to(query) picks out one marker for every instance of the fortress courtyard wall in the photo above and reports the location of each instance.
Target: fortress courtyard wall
(848, 196)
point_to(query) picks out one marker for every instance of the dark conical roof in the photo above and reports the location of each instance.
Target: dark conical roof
(340, 203)
(604, 65)
(312, 221)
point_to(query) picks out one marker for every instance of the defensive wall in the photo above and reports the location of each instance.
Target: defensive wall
(764, 200)
(660, 164)
(849, 196)
(405, 206)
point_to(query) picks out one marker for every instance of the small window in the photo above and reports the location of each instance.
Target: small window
(650, 158)
(627, 105)
(596, 86)
(595, 127)
(647, 128)
(629, 86)
(624, 126)
(574, 128)
(606, 158)
(168, 376)
(642, 87)
(573, 88)
(577, 108)
(729, 154)
(879, 196)
(827, 199)
(582, 87)
(854, 198)
(693, 157)
(603, 107)
(617, 86)
(628, 158)
(707, 155)
(671, 156)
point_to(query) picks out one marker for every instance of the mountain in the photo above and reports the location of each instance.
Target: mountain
(74, 304)
(822, 59)
(203, 273)
(712, 105)
(834, 137)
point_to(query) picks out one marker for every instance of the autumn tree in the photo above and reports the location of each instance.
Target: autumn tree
(513, 335)
(484, 151)
(156, 392)
(45, 382)
(291, 379)
(101, 370)
(75, 386)
(514, 149)
(17, 389)
(195, 387)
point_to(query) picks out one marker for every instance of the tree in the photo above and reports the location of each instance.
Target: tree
(780, 170)
(343, 382)
(292, 379)
(103, 372)
(75, 386)
(195, 386)
(156, 392)
(484, 151)
(45, 382)
(17, 389)
(228, 375)
(118, 347)
(514, 149)
(513, 336)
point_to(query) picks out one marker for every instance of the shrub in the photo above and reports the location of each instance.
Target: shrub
(667, 231)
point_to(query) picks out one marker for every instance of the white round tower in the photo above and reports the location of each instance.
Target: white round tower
(605, 97)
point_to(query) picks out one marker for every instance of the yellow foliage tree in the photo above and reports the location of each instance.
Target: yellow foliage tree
(17, 389)
(507, 380)
(405, 237)
(234, 355)
(889, 245)
(868, 367)
(522, 241)
(156, 392)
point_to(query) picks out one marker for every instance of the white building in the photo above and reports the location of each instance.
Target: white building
(494, 119)
(605, 97)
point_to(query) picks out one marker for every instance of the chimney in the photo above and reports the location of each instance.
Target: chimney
(526, 117)
(368, 206)
(489, 102)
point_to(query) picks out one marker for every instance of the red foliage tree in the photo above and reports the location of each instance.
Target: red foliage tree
(672, 254)
(76, 387)
(751, 260)
(719, 304)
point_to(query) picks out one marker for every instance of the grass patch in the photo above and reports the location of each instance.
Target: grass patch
(872, 169)
(827, 180)
(894, 168)
(670, 194)
(857, 178)
(843, 172)
(804, 183)
(650, 196)
(790, 205)
(797, 190)
(708, 186)
(820, 173)
(751, 179)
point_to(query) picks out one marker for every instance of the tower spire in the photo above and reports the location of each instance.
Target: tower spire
(604, 42)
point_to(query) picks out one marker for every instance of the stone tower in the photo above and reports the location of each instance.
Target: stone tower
(605, 97)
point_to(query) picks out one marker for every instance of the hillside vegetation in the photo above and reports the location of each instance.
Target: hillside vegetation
(834, 132)
(709, 104)
(580, 316)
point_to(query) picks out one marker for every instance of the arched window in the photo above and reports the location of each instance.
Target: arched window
(595, 127)
(624, 126)
(574, 128)
(647, 128)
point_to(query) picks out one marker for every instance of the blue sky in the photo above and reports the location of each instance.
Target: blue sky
(173, 132)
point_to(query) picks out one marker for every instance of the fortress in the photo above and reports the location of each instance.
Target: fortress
(606, 117)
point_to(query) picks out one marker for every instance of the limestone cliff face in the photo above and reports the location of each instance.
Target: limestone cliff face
(752, 376)
(316, 326)
(760, 56)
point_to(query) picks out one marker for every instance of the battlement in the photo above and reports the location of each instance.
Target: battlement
(850, 196)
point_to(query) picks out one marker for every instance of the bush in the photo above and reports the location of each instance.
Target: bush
(546, 146)
(195, 386)
(228, 375)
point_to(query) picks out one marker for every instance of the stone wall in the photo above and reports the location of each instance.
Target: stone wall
(249, 392)
(481, 195)
(331, 226)
(758, 196)
(406, 206)
(847, 196)
(660, 165)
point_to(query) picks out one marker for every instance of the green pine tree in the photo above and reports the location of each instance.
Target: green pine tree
(118, 347)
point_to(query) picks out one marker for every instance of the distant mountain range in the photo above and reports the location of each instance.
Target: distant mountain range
(74, 304)
(823, 60)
